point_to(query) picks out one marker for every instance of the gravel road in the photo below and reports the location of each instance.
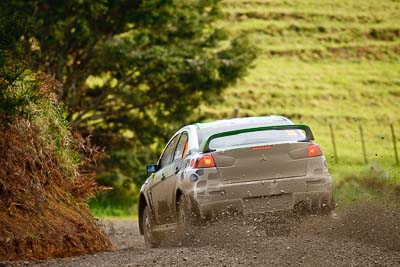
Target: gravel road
(363, 235)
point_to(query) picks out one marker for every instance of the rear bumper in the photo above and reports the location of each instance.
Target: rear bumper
(313, 193)
(310, 200)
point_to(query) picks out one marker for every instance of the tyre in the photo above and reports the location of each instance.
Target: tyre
(329, 211)
(184, 219)
(150, 238)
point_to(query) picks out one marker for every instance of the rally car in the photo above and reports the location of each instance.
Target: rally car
(247, 165)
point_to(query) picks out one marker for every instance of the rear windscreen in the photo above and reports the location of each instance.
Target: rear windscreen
(259, 137)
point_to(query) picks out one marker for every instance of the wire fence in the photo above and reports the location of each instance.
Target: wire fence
(363, 148)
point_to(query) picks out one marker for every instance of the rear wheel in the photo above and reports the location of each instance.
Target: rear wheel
(329, 211)
(181, 211)
(150, 238)
(184, 218)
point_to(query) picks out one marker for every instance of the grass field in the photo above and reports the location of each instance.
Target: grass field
(323, 62)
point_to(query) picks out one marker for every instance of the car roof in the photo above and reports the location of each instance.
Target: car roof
(208, 128)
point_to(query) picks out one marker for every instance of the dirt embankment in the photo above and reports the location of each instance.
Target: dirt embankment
(363, 235)
(43, 211)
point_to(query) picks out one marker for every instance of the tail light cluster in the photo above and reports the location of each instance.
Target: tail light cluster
(314, 150)
(204, 161)
(310, 151)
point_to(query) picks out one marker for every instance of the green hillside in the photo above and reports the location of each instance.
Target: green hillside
(323, 62)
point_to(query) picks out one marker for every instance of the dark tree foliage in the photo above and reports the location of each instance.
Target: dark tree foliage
(131, 71)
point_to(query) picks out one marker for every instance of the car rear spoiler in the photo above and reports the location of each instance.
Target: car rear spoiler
(205, 147)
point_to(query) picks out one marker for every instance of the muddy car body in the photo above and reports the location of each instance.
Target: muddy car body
(246, 165)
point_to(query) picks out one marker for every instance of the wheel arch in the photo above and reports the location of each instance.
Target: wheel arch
(192, 204)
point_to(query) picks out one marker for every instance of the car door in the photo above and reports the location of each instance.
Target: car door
(178, 161)
(163, 184)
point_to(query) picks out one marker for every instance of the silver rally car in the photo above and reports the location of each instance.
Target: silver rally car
(245, 165)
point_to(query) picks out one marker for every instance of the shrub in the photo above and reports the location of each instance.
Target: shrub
(46, 174)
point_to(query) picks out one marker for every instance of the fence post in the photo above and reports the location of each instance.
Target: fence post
(333, 143)
(235, 112)
(396, 156)
(363, 144)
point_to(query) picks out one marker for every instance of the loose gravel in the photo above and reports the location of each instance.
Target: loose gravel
(362, 235)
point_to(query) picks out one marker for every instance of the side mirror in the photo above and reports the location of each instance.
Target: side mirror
(152, 168)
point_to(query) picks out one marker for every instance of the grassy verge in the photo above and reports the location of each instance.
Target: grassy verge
(371, 183)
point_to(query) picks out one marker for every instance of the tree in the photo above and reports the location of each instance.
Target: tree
(130, 70)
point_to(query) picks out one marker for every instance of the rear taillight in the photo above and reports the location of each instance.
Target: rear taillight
(314, 151)
(205, 161)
